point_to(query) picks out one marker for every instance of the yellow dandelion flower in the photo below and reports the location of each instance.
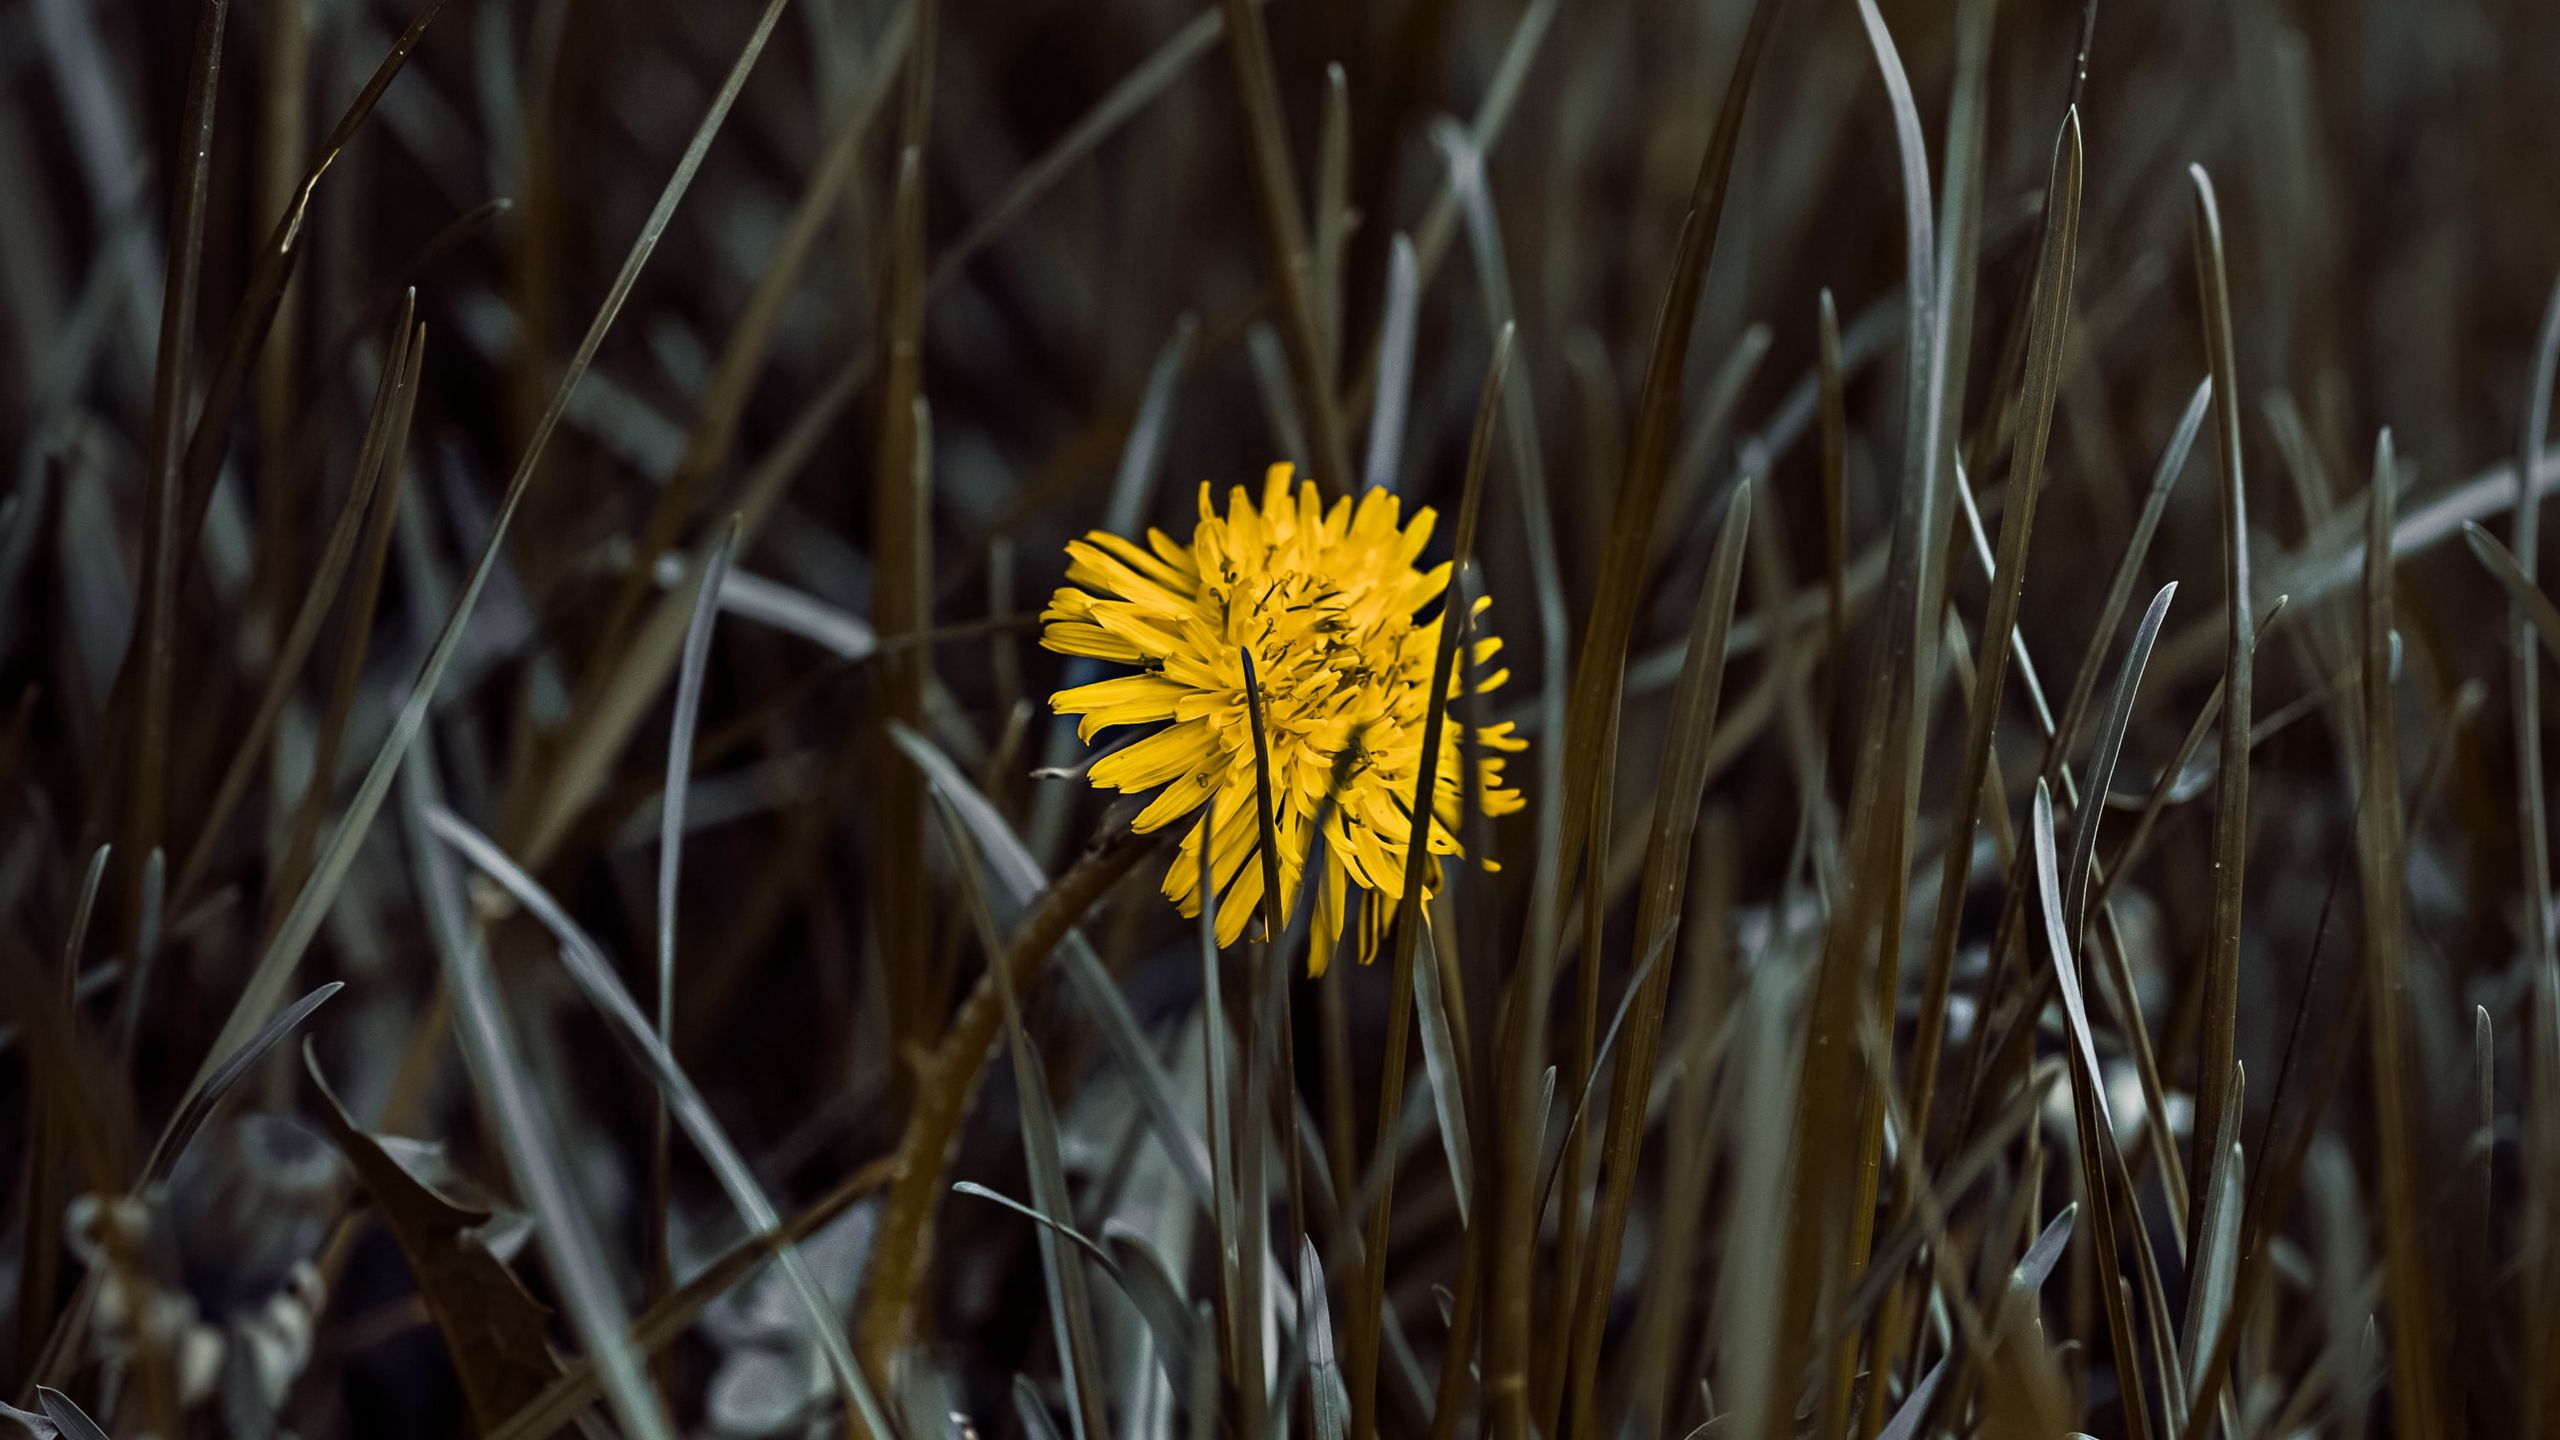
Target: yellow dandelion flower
(1328, 602)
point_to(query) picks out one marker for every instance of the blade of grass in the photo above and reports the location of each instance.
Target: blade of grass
(1329, 1406)
(202, 1101)
(2089, 1107)
(2049, 314)
(658, 1326)
(153, 648)
(396, 390)
(688, 714)
(1018, 875)
(2217, 1254)
(526, 1133)
(1365, 1300)
(1829, 1234)
(2415, 1390)
(733, 375)
(1677, 801)
(1070, 1304)
(901, 604)
(2231, 789)
(947, 1085)
(1600, 668)
(1267, 150)
(40, 1238)
(1135, 92)
(1448, 1086)
(1395, 367)
(70, 1419)
(304, 838)
(2542, 619)
(275, 967)
(2542, 1131)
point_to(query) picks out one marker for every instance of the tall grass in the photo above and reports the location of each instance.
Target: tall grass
(662, 423)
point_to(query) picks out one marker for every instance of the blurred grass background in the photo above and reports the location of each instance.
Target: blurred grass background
(374, 425)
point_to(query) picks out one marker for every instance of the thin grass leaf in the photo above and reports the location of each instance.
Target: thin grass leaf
(153, 647)
(1070, 1304)
(1151, 1287)
(1829, 1092)
(337, 554)
(2217, 1255)
(40, 1240)
(601, 982)
(70, 1419)
(2542, 618)
(1257, 87)
(275, 967)
(526, 1133)
(2089, 1105)
(1033, 1411)
(1661, 893)
(1365, 1301)
(2049, 313)
(688, 714)
(1395, 366)
(1137, 90)
(658, 1326)
(2542, 1111)
(1329, 1405)
(2155, 504)
(203, 1100)
(2231, 790)
(2415, 1390)
(1018, 875)
(1448, 1083)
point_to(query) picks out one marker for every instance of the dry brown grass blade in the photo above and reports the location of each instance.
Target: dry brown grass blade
(1362, 1317)
(2415, 1390)
(1275, 187)
(1680, 788)
(2231, 787)
(1600, 667)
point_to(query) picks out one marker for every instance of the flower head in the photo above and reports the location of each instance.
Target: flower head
(1327, 600)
